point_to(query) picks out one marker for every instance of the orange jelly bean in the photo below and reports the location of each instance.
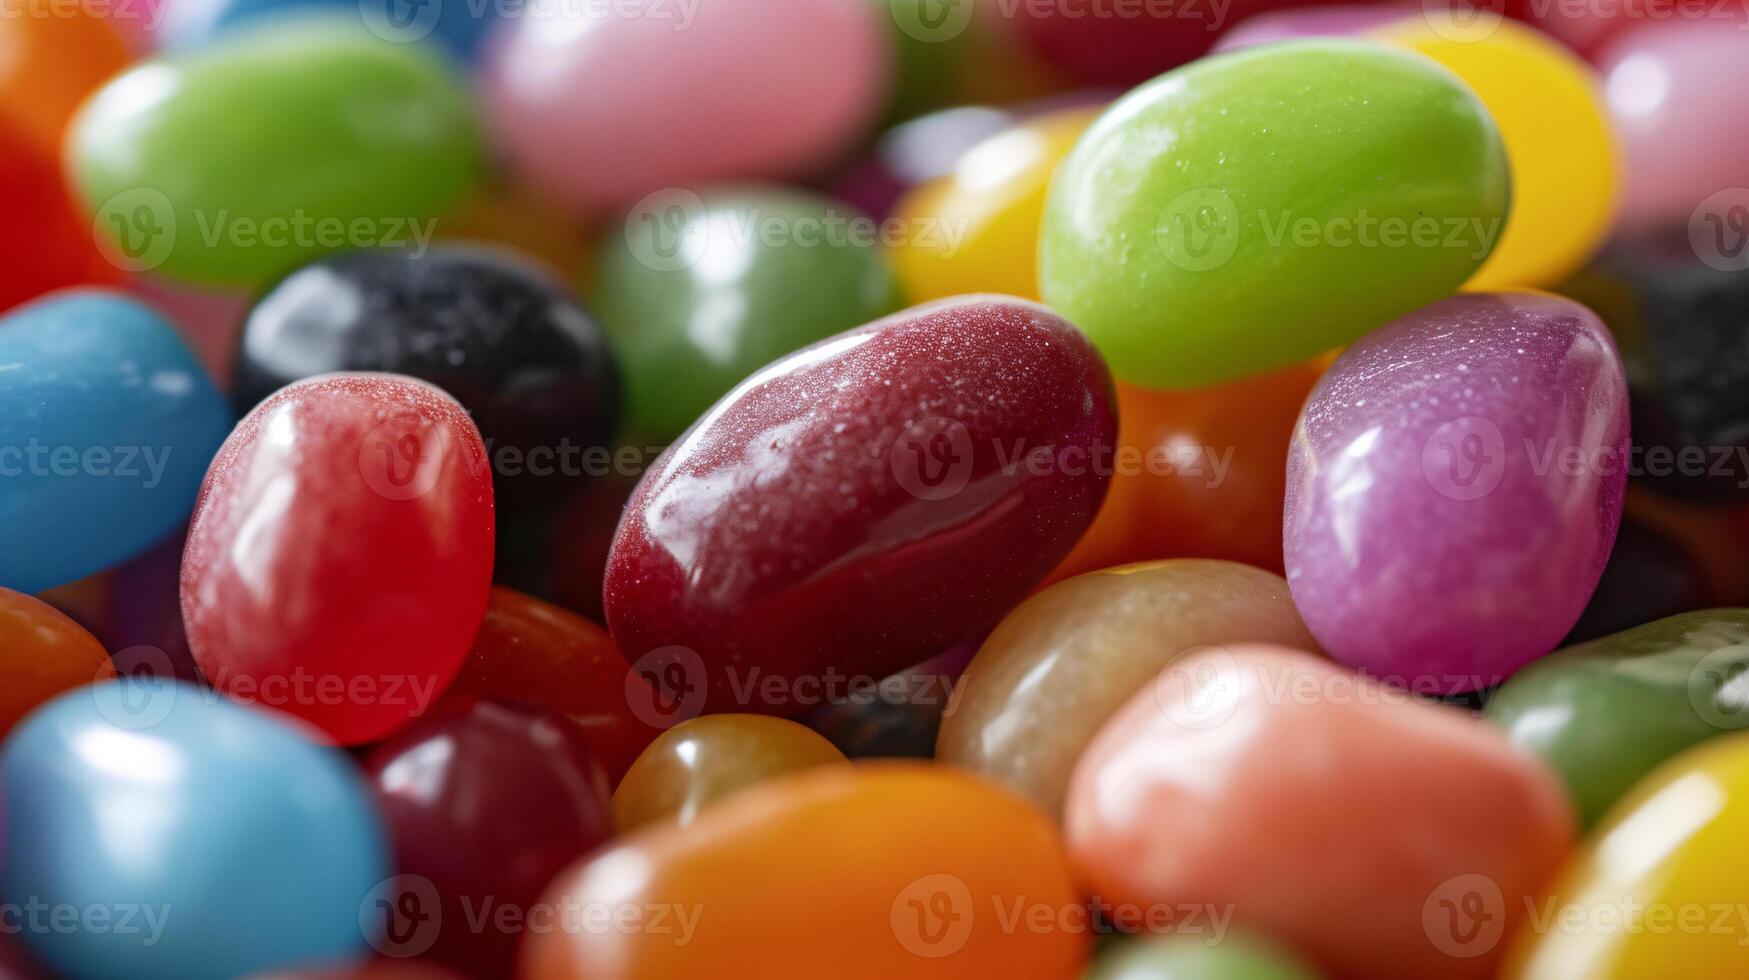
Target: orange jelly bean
(1198, 474)
(45, 653)
(699, 762)
(879, 871)
(50, 60)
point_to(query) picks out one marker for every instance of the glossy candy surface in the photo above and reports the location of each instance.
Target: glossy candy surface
(1057, 667)
(483, 324)
(54, 247)
(1198, 474)
(1672, 90)
(487, 803)
(698, 763)
(535, 653)
(952, 849)
(328, 167)
(977, 229)
(1318, 808)
(1468, 462)
(1658, 889)
(1605, 713)
(247, 845)
(1256, 209)
(457, 28)
(1193, 957)
(1549, 107)
(341, 552)
(51, 58)
(44, 653)
(107, 424)
(742, 279)
(864, 503)
(569, 91)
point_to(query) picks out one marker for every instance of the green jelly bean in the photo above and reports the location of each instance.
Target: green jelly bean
(1603, 714)
(1254, 209)
(699, 293)
(1192, 957)
(234, 164)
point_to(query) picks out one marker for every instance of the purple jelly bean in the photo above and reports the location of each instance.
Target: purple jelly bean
(1454, 488)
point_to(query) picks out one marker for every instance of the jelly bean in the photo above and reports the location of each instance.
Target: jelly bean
(977, 230)
(1198, 474)
(486, 805)
(1187, 957)
(863, 503)
(1606, 713)
(581, 540)
(569, 103)
(1671, 89)
(897, 869)
(108, 424)
(701, 294)
(53, 59)
(1649, 576)
(1466, 461)
(1317, 806)
(698, 763)
(532, 652)
(898, 716)
(238, 844)
(1061, 664)
(1172, 239)
(341, 552)
(1550, 110)
(457, 28)
(916, 152)
(1103, 43)
(1680, 325)
(513, 218)
(47, 652)
(491, 329)
(1336, 20)
(332, 162)
(1657, 890)
(928, 54)
(58, 250)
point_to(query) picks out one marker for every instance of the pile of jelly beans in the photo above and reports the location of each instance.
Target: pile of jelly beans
(786, 489)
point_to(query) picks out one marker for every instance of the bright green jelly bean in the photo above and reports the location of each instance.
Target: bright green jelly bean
(237, 163)
(1605, 713)
(699, 293)
(1193, 957)
(1254, 209)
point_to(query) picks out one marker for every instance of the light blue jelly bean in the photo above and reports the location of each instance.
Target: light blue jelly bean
(456, 26)
(107, 424)
(229, 841)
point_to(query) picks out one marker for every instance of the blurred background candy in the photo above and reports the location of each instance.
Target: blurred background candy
(701, 761)
(456, 28)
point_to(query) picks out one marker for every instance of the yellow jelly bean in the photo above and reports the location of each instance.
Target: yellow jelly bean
(976, 230)
(1658, 890)
(1549, 106)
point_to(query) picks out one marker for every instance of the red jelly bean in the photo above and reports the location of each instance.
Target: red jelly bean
(487, 804)
(532, 652)
(341, 553)
(862, 504)
(47, 245)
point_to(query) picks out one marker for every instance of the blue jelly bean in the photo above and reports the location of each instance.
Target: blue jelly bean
(456, 26)
(107, 424)
(153, 829)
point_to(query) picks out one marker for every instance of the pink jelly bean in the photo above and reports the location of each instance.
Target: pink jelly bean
(1675, 91)
(1454, 487)
(599, 107)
